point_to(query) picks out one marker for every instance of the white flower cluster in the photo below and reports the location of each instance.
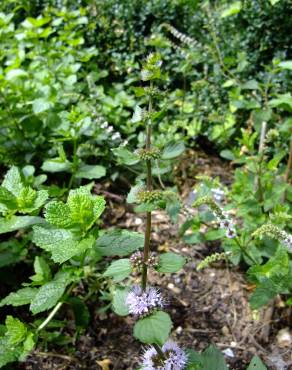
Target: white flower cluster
(116, 136)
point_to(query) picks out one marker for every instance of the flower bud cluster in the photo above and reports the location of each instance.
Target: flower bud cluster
(142, 303)
(174, 358)
(147, 155)
(149, 196)
(181, 36)
(222, 217)
(276, 233)
(137, 260)
(272, 135)
(212, 258)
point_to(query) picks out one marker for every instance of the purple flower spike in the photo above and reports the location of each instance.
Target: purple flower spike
(141, 302)
(175, 358)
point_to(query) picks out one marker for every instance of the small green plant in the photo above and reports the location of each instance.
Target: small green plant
(71, 249)
(270, 264)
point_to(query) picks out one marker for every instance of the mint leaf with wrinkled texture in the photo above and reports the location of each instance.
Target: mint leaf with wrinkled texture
(62, 244)
(49, 294)
(21, 297)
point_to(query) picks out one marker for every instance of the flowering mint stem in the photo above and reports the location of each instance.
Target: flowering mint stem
(149, 188)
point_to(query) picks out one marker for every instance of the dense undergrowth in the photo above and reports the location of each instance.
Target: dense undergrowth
(74, 107)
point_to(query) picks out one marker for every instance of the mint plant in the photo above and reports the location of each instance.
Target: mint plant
(145, 303)
(270, 264)
(70, 249)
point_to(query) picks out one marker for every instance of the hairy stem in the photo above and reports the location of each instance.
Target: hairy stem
(75, 163)
(149, 188)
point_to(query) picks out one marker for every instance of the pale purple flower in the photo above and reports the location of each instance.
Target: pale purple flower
(218, 194)
(225, 224)
(228, 225)
(141, 302)
(231, 233)
(287, 241)
(175, 358)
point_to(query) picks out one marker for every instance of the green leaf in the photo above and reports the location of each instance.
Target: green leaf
(41, 105)
(262, 295)
(213, 359)
(194, 360)
(79, 214)
(42, 271)
(274, 2)
(119, 299)
(8, 201)
(256, 364)
(58, 214)
(11, 252)
(85, 208)
(119, 242)
(80, 310)
(250, 85)
(63, 244)
(283, 101)
(287, 64)
(56, 165)
(21, 297)
(154, 328)
(170, 262)
(227, 154)
(232, 9)
(49, 294)
(12, 181)
(125, 156)
(14, 195)
(173, 150)
(90, 172)
(30, 200)
(119, 270)
(15, 73)
(28, 346)
(16, 330)
(7, 354)
(18, 222)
